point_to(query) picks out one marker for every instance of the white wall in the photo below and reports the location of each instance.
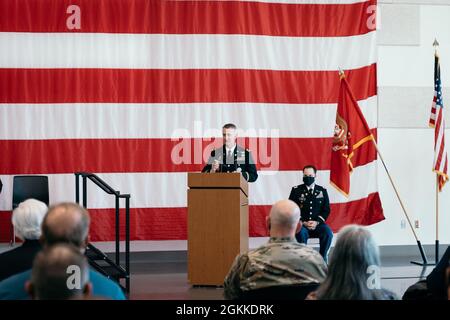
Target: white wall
(405, 81)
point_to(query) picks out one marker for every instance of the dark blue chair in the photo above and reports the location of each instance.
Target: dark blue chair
(26, 187)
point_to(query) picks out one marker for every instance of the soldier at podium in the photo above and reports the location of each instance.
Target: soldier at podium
(231, 157)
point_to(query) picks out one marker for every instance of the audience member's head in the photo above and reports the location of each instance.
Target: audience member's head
(448, 281)
(27, 219)
(354, 269)
(66, 223)
(436, 280)
(60, 272)
(284, 219)
(447, 277)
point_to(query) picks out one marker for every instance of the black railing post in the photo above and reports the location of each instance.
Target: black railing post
(117, 231)
(127, 241)
(77, 188)
(84, 191)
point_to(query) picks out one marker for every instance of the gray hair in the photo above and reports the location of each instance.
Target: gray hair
(355, 251)
(27, 219)
(66, 222)
(57, 267)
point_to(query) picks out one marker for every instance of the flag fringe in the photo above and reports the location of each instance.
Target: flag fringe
(339, 189)
(442, 174)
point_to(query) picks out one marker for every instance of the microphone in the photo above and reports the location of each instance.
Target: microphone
(218, 161)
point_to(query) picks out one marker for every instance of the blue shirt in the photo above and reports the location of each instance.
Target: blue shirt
(13, 288)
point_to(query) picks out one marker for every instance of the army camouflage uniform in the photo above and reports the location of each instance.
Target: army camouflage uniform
(282, 261)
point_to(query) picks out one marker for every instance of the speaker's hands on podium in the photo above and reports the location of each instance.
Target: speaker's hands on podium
(215, 166)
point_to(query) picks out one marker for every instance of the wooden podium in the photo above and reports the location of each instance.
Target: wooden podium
(217, 225)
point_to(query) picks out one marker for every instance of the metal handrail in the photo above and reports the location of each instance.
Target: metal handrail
(109, 190)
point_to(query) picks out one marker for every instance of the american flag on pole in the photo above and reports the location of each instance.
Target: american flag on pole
(437, 121)
(108, 87)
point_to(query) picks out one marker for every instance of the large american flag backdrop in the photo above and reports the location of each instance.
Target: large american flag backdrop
(104, 86)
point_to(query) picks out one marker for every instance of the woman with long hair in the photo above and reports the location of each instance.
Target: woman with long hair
(354, 269)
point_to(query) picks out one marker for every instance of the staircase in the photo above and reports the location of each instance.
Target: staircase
(97, 259)
(103, 264)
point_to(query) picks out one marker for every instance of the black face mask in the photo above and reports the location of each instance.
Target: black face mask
(308, 180)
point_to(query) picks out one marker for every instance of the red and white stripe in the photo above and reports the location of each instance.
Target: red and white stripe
(440, 154)
(432, 121)
(115, 97)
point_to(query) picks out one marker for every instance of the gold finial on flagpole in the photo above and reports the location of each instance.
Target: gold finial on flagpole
(435, 45)
(341, 73)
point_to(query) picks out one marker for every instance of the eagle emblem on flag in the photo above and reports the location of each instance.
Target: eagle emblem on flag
(341, 134)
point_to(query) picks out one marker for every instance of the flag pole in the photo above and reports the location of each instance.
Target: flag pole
(437, 221)
(395, 189)
(419, 244)
(436, 244)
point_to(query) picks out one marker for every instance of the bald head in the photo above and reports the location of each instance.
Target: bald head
(284, 218)
(66, 223)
